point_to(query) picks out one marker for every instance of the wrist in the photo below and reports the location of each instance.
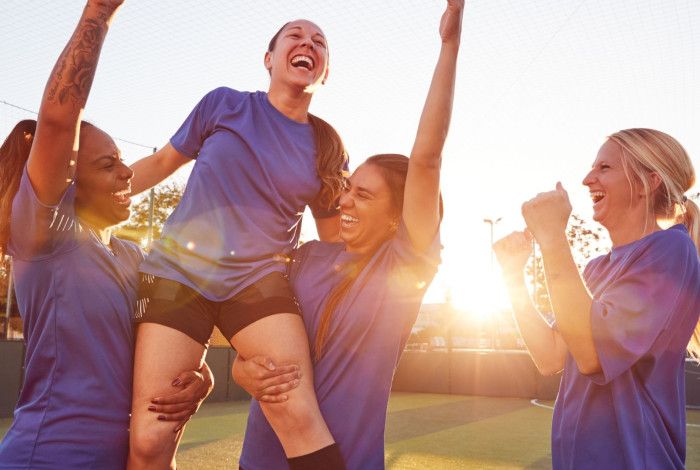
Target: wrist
(553, 241)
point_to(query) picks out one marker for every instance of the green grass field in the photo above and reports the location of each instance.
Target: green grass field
(423, 431)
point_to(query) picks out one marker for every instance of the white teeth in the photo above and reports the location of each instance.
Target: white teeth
(124, 192)
(597, 195)
(348, 218)
(303, 59)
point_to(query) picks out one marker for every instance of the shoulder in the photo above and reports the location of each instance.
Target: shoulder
(668, 245)
(133, 250)
(225, 96)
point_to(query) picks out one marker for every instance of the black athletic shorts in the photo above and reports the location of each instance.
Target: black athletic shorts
(172, 304)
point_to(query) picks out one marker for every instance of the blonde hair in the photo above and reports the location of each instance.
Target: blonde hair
(646, 152)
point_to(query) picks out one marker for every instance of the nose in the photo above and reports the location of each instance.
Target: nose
(126, 172)
(346, 200)
(588, 179)
(307, 42)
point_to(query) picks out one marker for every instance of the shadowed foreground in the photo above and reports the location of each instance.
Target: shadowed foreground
(423, 431)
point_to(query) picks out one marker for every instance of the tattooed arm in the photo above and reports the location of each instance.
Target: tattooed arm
(55, 149)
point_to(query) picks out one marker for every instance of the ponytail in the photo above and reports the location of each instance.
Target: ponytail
(351, 273)
(331, 161)
(14, 154)
(690, 217)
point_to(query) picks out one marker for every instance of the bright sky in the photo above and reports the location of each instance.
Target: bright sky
(540, 85)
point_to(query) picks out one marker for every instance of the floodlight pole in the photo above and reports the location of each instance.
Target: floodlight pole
(151, 198)
(8, 307)
(492, 223)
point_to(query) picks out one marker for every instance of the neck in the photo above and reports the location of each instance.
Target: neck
(104, 233)
(626, 232)
(293, 104)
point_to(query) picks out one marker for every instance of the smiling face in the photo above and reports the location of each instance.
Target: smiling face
(298, 56)
(367, 214)
(103, 181)
(616, 198)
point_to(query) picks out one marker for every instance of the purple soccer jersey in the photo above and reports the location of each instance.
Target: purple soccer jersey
(367, 334)
(646, 300)
(76, 298)
(240, 214)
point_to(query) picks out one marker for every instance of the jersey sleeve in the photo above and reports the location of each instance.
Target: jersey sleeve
(650, 296)
(190, 137)
(38, 230)
(411, 270)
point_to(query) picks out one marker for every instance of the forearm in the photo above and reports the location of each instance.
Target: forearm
(69, 85)
(153, 169)
(435, 118)
(570, 301)
(539, 337)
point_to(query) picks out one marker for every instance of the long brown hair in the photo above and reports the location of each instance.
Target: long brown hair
(331, 156)
(394, 169)
(14, 154)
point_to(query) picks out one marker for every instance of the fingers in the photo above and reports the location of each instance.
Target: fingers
(191, 392)
(173, 410)
(182, 415)
(261, 372)
(263, 361)
(186, 378)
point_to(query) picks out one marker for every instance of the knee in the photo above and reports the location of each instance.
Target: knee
(149, 445)
(295, 416)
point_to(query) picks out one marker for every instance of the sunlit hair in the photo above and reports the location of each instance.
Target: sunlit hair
(394, 169)
(13, 156)
(331, 156)
(646, 152)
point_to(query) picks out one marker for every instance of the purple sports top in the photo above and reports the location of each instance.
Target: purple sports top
(366, 337)
(76, 299)
(240, 214)
(646, 300)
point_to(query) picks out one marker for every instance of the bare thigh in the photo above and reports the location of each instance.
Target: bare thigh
(297, 422)
(161, 354)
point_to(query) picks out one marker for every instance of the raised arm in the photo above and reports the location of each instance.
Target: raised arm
(546, 346)
(421, 212)
(55, 148)
(546, 216)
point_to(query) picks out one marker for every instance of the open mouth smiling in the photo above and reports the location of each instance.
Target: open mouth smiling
(303, 61)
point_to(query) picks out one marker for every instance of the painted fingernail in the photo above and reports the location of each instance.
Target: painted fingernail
(176, 382)
(161, 417)
(151, 408)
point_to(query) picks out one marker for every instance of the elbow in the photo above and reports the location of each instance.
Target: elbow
(588, 366)
(55, 125)
(428, 162)
(550, 368)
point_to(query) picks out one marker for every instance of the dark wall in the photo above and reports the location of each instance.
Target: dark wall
(474, 372)
(11, 360)
(462, 372)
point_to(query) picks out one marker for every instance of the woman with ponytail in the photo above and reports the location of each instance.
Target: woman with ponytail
(260, 159)
(621, 333)
(360, 297)
(63, 186)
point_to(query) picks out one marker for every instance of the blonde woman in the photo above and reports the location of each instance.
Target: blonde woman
(620, 333)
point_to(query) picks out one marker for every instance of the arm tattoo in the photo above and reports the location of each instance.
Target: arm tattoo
(72, 77)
